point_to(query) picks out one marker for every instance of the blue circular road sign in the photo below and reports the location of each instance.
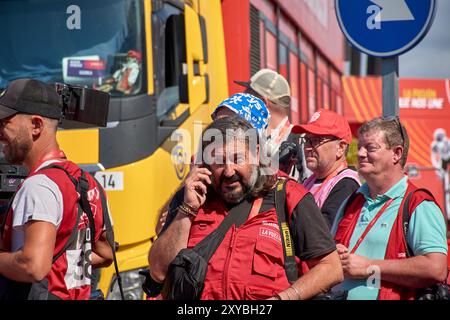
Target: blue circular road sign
(385, 28)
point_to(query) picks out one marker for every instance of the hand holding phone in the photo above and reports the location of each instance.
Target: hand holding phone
(196, 186)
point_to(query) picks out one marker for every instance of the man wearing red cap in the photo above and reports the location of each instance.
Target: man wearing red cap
(327, 137)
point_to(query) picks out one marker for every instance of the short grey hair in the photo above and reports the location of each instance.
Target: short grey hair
(395, 133)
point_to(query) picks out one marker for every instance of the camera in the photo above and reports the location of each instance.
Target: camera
(150, 286)
(11, 176)
(82, 106)
(439, 291)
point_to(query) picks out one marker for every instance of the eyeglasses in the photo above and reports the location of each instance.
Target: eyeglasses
(316, 142)
(396, 119)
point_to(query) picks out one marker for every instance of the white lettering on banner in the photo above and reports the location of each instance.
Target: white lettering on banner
(110, 180)
(421, 103)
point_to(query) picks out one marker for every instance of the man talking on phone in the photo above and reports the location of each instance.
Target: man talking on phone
(249, 262)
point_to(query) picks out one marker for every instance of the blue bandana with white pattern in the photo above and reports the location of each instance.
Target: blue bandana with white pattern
(249, 108)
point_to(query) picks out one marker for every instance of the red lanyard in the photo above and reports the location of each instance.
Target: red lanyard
(371, 224)
(54, 154)
(255, 207)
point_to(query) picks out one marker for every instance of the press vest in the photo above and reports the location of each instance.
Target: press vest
(396, 246)
(249, 263)
(70, 275)
(322, 191)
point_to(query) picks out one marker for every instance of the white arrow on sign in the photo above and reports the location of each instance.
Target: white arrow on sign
(393, 10)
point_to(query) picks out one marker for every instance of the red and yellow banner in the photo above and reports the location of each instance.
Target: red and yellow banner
(425, 113)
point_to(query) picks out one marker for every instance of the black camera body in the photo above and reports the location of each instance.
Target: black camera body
(439, 291)
(150, 286)
(82, 106)
(11, 176)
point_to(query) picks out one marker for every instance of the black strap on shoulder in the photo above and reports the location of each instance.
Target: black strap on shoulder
(110, 236)
(290, 265)
(406, 217)
(208, 246)
(82, 187)
(405, 223)
(72, 238)
(74, 233)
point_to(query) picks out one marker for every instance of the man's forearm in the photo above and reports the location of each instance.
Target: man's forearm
(324, 274)
(166, 247)
(415, 272)
(16, 266)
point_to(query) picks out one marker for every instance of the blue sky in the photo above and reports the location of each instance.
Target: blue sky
(431, 57)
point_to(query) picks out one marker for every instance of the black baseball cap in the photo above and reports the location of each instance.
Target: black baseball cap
(30, 96)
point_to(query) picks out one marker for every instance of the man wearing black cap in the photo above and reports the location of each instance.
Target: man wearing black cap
(45, 236)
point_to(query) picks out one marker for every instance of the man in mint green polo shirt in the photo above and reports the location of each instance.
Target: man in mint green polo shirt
(382, 152)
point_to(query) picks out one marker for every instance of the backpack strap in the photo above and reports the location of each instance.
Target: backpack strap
(290, 265)
(74, 233)
(82, 187)
(406, 211)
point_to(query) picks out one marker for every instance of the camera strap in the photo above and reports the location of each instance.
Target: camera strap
(110, 236)
(290, 265)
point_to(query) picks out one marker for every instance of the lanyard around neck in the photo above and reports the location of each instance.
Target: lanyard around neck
(371, 224)
(255, 207)
(54, 154)
(282, 132)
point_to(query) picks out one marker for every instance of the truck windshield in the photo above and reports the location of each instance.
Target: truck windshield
(93, 43)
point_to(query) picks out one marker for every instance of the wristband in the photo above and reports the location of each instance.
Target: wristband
(187, 211)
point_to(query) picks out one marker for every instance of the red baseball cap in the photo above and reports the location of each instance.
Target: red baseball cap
(326, 123)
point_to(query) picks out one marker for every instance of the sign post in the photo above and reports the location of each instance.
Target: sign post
(389, 73)
(386, 29)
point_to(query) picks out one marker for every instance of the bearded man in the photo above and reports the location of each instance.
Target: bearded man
(249, 262)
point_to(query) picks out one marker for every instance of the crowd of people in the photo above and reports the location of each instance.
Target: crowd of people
(348, 239)
(270, 210)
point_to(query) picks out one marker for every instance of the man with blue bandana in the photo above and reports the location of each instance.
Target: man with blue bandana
(244, 105)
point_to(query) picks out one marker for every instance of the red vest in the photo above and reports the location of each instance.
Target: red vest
(396, 246)
(249, 263)
(77, 286)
